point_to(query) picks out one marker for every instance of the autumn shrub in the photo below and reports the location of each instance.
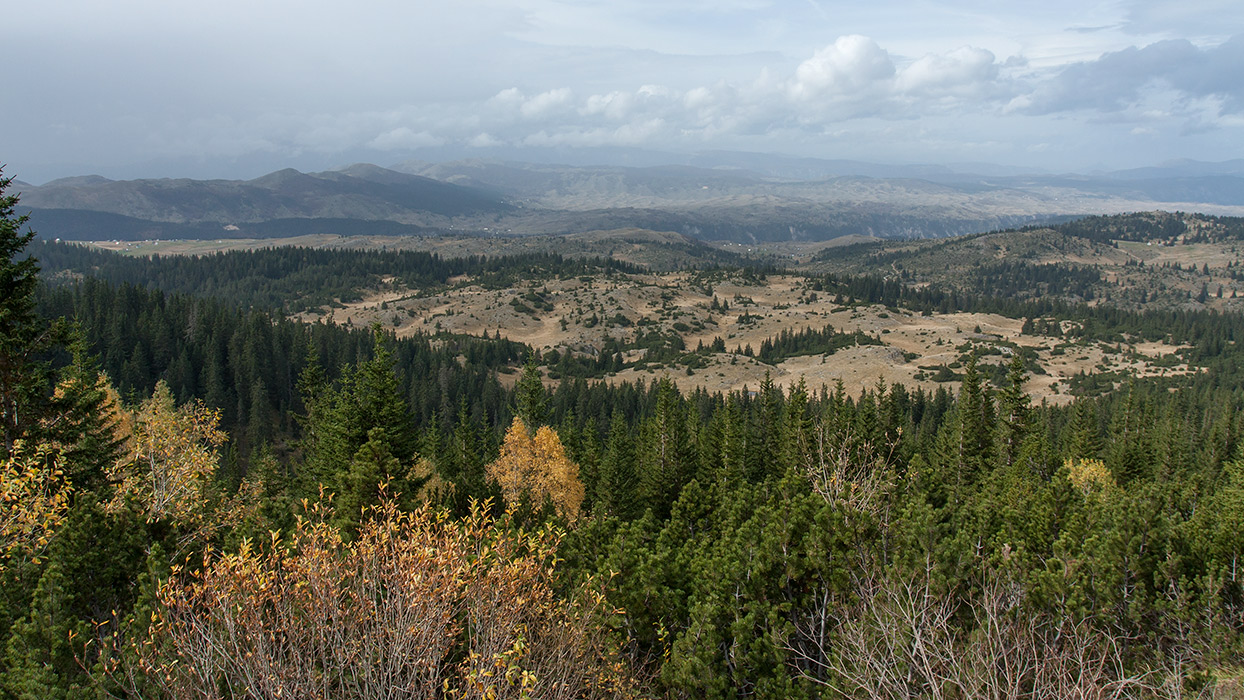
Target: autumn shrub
(34, 499)
(418, 605)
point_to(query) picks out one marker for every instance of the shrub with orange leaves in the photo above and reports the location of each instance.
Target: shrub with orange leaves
(416, 606)
(538, 466)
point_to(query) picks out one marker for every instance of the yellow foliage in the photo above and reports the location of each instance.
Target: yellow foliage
(34, 499)
(1089, 475)
(538, 466)
(171, 455)
(417, 606)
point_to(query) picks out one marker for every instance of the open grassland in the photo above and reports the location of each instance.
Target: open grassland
(582, 315)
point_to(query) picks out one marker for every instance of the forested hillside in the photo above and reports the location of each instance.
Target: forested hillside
(205, 498)
(1138, 261)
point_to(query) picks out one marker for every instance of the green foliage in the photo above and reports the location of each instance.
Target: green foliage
(23, 335)
(91, 573)
(364, 422)
(529, 396)
(742, 537)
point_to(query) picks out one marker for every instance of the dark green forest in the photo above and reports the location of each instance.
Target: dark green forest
(170, 434)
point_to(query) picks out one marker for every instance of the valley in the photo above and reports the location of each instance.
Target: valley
(700, 313)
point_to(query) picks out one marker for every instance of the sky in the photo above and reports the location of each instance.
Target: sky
(238, 88)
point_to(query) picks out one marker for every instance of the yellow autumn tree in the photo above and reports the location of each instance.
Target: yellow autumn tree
(537, 465)
(170, 457)
(34, 500)
(1089, 476)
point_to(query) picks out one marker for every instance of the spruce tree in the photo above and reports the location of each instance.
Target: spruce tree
(530, 399)
(667, 459)
(23, 337)
(1013, 411)
(1085, 433)
(616, 490)
(975, 427)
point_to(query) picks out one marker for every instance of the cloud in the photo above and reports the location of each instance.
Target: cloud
(1122, 80)
(546, 103)
(484, 140)
(615, 106)
(965, 71)
(851, 65)
(852, 78)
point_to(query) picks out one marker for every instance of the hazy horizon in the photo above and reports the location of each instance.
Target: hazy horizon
(232, 89)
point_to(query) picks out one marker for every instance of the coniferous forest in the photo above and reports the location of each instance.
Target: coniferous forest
(203, 498)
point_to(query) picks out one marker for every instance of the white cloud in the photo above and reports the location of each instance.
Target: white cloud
(616, 105)
(851, 65)
(965, 71)
(508, 98)
(483, 140)
(546, 103)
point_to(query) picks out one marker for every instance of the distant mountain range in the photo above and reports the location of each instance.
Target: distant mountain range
(716, 195)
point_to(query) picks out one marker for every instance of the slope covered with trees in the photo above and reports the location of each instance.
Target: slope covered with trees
(243, 506)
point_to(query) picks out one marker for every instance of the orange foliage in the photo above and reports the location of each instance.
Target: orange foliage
(417, 606)
(538, 466)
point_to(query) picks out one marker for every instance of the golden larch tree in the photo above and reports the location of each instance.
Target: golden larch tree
(537, 465)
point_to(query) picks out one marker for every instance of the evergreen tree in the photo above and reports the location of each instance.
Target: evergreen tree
(666, 458)
(83, 418)
(464, 464)
(616, 491)
(367, 405)
(23, 336)
(373, 466)
(1085, 434)
(530, 398)
(797, 438)
(733, 438)
(91, 567)
(974, 434)
(1013, 412)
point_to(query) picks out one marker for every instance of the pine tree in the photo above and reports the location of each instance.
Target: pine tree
(616, 491)
(339, 421)
(23, 337)
(1085, 434)
(91, 567)
(1013, 409)
(666, 458)
(530, 399)
(974, 435)
(464, 465)
(733, 438)
(373, 466)
(797, 438)
(83, 418)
